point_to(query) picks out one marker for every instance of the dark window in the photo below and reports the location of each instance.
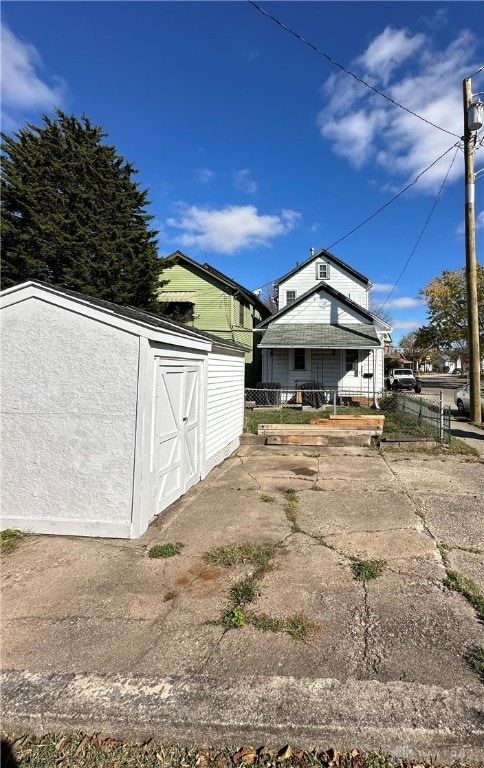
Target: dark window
(299, 359)
(290, 297)
(351, 361)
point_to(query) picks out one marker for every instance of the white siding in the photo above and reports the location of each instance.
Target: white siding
(69, 389)
(320, 308)
(224, 406)
(326, 366)
(306, 278)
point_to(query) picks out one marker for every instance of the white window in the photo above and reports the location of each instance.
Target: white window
(290, 297)
(358, 298)
(322, 271)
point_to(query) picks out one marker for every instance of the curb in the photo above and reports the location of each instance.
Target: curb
(404, 719)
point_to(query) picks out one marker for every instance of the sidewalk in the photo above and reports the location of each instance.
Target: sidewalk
(97, 635)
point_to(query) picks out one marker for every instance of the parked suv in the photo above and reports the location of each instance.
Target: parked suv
(402, 378)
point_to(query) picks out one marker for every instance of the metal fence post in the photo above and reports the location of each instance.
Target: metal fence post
(441, 415)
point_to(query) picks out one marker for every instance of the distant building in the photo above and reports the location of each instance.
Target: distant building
(202, 297)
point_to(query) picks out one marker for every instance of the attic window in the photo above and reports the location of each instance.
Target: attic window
(322, 271)
(290, 297)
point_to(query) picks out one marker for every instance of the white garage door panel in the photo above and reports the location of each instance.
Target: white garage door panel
(176, 454)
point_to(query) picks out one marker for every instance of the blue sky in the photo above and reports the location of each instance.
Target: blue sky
(255, 148)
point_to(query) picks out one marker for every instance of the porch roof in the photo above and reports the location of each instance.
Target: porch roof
(319, 335)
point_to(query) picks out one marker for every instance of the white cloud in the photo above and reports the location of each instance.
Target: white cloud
(229, 229)
(410, 325)
(204, 175)
(382, 287)
(404, 302)
(387, 51)
(364, 128)
(23, 91)
(243, 182)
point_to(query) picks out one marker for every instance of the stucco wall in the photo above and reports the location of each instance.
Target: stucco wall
(69, 390)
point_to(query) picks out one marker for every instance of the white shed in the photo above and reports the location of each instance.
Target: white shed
(109, 414)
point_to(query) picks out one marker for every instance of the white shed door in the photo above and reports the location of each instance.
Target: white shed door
(176, 455)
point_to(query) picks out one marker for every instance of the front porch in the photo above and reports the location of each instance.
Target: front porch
(327, 368)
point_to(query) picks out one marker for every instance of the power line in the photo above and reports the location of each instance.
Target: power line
(345, 69)
(385, 205)
(389, 202)
(437, 198)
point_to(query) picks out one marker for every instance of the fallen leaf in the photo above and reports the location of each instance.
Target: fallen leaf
(284, 754)
(202, 760)
(81, 746)
(355, 753)
(159, 757)
(246, 756)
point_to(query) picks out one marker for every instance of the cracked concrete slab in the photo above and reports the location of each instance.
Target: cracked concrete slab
(93, 607)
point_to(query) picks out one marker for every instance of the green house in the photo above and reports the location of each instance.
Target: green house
(202, 297)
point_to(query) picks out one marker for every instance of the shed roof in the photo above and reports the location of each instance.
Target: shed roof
(320, 335)
(138, 316)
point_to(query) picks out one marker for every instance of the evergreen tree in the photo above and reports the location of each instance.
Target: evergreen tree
(72, 214)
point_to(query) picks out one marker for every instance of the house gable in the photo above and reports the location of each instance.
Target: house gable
(323, 266)
(321, 304)
(218, 298)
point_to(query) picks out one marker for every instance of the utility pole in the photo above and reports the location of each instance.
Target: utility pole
(471, 264)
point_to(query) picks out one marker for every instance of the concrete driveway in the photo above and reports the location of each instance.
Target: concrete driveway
(97, 635)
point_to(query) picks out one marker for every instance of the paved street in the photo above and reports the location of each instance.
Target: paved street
(432, 385)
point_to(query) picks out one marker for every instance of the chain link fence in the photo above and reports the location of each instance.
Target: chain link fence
(430, 414)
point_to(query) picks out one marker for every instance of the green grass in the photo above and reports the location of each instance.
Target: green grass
(243, 592)
(366, 570)
(267, 499)
(475, 659)
(94, 751)
(259, 554)
(268, 623)
(298, 627)
(170, 549)
(316, 487)
(396, 424)
(234, 618)
(10, 539)
(467, 588)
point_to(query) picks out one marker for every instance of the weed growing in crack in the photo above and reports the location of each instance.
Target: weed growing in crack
(244, 591)
(322, 541)
(260, 554)
(298, 627)
(366, 570)
(267, 499)
(291, 507)
(467, 588)
(169, 549)
(316, 487)
(475, 659)
(268, 623)
(9, 540)
(444, 550)
(234, 617)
